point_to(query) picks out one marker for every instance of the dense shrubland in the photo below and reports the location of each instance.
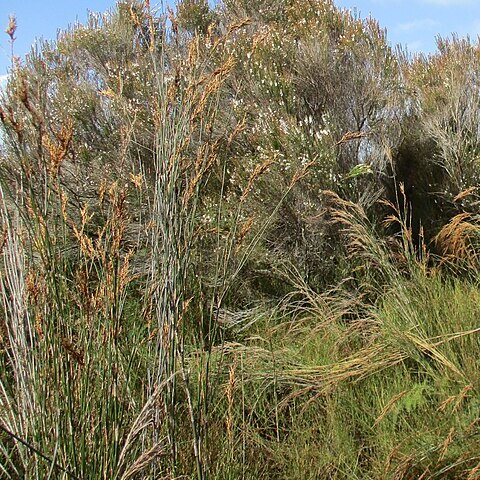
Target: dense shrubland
(239, 242)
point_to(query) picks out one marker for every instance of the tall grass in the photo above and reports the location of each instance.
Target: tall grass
(109, 344)
(138, 338)
(341, 388)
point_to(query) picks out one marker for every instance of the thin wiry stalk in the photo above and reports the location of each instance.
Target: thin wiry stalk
(18, 410)
(171, 238)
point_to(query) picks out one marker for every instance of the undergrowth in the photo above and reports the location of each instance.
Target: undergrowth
(239, 242)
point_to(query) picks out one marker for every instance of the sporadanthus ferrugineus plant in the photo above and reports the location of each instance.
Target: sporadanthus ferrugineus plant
(216, 256)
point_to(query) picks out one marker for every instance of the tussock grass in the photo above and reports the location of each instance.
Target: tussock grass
(391, 394)
(213, 263)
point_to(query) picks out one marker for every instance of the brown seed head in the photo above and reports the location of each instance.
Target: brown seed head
(12, 27)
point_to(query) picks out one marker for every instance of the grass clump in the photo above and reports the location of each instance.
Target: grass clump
(239, 242)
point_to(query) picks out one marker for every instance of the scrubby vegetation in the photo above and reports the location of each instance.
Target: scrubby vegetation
(240, 242)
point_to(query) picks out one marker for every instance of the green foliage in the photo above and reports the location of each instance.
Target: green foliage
(239, 242)
(194, 16)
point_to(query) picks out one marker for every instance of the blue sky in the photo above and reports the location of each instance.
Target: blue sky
(40, 18)
(414, 23)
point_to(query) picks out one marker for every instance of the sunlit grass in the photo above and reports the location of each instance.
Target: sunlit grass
(239, 243)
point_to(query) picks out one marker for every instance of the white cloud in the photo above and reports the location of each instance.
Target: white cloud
(3, 79)
(419, 24)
